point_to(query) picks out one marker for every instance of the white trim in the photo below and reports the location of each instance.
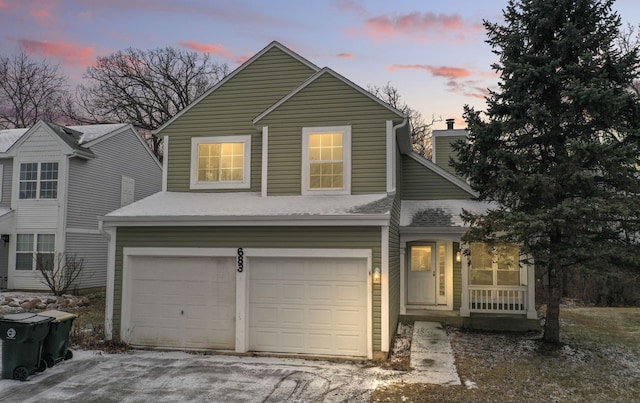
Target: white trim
(346, 160)
(111, 275)
(531, 290)
(165, 162)
(384, 289)
(265, 161)
(246, 181)
(242, 308)
(391, 157)
(464, 300)
(244, 65)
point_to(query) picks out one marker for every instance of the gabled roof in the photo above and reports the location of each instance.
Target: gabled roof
(235, 72)
(442, 172)
(8, 137)
(70, 137)
(316, 76)
(96, 132)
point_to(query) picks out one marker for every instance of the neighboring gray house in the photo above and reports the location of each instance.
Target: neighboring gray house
(55, 182)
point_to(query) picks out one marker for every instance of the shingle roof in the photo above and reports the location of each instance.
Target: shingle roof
(438, 213)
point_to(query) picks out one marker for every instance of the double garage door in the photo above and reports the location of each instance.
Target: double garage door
(294, 304)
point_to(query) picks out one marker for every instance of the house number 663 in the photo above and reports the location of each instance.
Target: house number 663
(240, 260)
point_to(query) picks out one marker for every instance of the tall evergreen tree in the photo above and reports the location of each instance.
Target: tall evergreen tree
(559, 147)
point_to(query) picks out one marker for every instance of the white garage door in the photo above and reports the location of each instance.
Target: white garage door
(185, 302)
(308, 305)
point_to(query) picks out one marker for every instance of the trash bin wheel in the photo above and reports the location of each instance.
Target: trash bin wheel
(42, 366)
(50, 360)
(68, 355)
(20, 373)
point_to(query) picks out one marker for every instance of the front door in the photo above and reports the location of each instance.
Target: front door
(422, 274)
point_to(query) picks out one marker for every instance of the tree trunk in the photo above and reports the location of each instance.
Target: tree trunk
(554, 296)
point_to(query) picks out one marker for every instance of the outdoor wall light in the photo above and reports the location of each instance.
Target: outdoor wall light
(377, 276)
(458, 257)
(5, 238)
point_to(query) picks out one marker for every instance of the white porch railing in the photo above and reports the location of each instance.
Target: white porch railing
(494, 299)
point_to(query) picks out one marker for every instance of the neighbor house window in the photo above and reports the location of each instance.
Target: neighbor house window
(33, 250)
(220, 162)
(38, 180)
(498, 265)
(326, 161)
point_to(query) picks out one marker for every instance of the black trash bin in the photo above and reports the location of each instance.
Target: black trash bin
(22, 336)
(56, 345)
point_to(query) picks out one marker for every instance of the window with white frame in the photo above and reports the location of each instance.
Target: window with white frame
(497, 265)
(38, 180)
(326, 160)
(220, 162)
(34, 251)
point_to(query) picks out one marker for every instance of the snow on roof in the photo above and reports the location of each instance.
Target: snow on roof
(242, 204)
(438, 213)
(92, 132)
(8, 137)
(4, 210)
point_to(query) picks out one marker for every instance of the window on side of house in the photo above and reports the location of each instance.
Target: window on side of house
(495, 266)
(326, 160)
(34, 250)
(220, 162)
(38, 180)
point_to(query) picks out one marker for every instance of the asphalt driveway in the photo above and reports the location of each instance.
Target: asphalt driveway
(150, 376)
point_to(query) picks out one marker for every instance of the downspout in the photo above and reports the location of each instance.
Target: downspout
(400, 125)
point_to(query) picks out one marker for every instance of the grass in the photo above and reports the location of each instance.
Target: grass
(599, 361)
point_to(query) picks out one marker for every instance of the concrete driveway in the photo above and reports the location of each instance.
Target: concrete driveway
(150, 376)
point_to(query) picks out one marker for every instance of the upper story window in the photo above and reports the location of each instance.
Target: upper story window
(326, 160)
(38, 180)
(220, 162)
(498, 265)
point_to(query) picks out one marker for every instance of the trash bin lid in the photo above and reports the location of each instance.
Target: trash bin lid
(58, 316)
(17, 317)
(25, 318)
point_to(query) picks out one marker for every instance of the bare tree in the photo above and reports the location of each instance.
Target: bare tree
(59, 271)
(30, 90)
(419, 129)
(627, 40)
(144, 88)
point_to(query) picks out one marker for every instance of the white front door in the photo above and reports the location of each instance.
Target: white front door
(422, 274)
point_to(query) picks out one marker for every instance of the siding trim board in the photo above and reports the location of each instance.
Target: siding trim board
(368, 220)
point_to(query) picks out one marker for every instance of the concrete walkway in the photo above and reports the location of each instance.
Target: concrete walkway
(431, 356)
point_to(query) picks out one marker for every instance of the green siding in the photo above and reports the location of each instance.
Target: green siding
(394, 267)
(457, 278)
(328, 102)
(421, 183)
(257, 237)
(444, 151)
(230, 109)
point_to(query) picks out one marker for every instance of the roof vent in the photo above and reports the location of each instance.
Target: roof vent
(450, 123)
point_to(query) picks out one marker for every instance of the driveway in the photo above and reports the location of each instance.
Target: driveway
(150, 376)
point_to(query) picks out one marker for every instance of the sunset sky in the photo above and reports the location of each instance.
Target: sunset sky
(433, 51)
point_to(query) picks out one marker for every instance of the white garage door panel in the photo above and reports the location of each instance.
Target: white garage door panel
(308, 305)
(183, 302)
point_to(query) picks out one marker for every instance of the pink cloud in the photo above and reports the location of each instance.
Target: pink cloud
(468, 89)
(43, 14)
(420, 26)
(3, 5)
(345, 56)
(69, 54)
(442, 71)
(218, 50)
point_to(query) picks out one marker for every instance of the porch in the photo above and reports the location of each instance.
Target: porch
(478, 321)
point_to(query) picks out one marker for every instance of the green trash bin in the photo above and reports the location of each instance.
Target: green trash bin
(56, 344)
(22, 336)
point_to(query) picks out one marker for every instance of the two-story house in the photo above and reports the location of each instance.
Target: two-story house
(56, 182)
(295, 218)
